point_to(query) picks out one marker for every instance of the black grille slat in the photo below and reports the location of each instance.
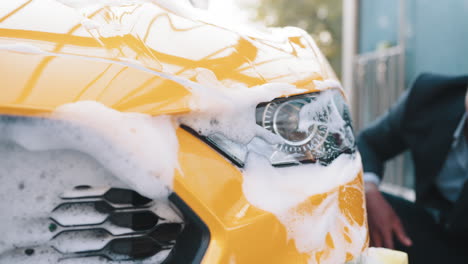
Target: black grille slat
(136, 248)
(126, 228)
(123, 196)
(137, 221)
(166, 233)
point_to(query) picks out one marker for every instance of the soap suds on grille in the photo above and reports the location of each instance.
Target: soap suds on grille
(139, 149)
(43, 159)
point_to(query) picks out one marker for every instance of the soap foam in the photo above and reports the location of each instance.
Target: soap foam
(327, 84)
(149, 143)
(322, 111)
(139, 149)
(44, 158)
(263, 182)
(220, 109)
(281, 190)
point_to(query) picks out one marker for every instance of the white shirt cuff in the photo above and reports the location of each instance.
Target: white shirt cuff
(371, 177)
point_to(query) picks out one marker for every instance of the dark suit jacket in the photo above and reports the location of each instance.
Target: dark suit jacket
(423, 121)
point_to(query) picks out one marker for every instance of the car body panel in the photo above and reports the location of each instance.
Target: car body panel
(117, 68)
(64, 58)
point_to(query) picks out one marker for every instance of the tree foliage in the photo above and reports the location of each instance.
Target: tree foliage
(320, 18)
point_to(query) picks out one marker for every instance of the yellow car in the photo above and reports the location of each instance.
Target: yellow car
(152, 132)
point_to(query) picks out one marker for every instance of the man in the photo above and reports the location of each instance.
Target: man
(429, 120)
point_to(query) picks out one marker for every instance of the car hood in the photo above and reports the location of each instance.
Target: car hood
(137, 56)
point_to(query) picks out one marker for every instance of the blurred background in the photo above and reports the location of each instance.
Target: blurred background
(377, 47)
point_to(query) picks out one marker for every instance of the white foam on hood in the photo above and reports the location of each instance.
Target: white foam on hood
(139, 149)
(21, 48)
(327, 84)
(149, 145)
(231, 21)
(220, 109)
(87, 3)
(215, 108)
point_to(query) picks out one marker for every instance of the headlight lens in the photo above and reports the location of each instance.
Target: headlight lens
(313, 127)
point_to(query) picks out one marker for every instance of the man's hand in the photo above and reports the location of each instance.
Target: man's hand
(384, 223)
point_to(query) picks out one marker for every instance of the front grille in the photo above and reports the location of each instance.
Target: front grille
(96, 225)
(40, 223)
(99, 225)
(115, 224)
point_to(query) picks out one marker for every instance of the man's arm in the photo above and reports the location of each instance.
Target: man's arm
(381, 141)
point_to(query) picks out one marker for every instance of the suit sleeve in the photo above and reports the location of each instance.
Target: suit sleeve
(383, 139)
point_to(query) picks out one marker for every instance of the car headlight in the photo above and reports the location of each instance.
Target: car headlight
(311, 128)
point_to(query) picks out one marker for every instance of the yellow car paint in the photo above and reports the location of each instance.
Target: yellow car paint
(89, 66)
